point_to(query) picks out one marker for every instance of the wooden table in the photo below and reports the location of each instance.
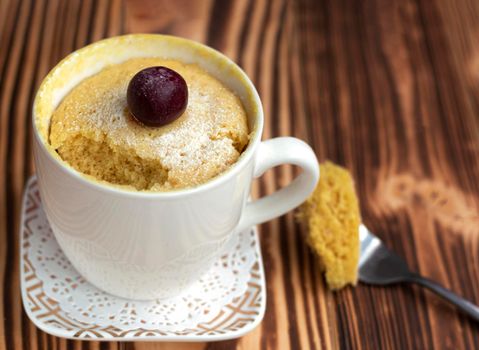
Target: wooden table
(390, 89)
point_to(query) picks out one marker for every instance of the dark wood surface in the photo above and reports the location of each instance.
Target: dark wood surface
(388, 88)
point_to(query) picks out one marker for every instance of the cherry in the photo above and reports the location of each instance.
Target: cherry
(157, 96)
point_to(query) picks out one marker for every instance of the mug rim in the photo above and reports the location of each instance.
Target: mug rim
(109, 188)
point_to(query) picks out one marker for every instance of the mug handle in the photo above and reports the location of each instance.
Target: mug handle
(271, 153)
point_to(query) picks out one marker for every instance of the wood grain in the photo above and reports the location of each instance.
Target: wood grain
(390, 89)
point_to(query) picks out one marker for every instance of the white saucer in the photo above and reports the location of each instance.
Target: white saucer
(227, 303)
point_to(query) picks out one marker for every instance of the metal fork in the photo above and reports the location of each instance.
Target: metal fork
(378, 265)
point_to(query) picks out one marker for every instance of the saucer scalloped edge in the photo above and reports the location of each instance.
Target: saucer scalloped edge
(228, 302)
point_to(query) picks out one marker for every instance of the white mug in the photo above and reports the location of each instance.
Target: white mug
(147, 245)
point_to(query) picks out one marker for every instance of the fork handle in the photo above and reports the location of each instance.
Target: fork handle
(461, 303)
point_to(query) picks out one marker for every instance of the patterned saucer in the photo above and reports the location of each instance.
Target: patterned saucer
(228, 302)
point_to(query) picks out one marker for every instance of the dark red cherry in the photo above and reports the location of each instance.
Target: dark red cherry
(157, 96)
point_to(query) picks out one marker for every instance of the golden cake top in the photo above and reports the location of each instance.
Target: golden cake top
(203, 142)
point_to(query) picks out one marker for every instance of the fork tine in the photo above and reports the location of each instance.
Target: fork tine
(369, 243)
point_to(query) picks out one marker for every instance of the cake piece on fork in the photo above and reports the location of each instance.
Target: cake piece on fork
(333, 217)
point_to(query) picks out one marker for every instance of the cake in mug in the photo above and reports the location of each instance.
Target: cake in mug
(95, 132)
